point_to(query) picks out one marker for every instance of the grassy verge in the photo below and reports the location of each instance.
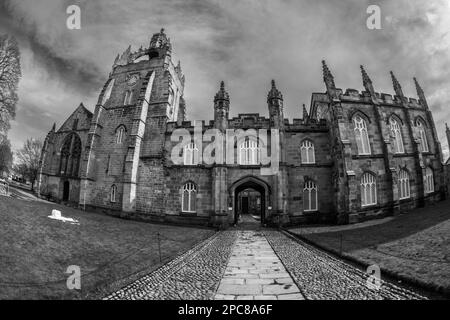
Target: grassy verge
(413, 246)
(36, 251)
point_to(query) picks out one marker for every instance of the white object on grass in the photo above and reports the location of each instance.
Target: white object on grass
(56, 215)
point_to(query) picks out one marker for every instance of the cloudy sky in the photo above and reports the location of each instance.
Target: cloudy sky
(246, 43)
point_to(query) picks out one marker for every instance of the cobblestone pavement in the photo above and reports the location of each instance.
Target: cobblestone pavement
(321, 276)
(194, 275)
(254, 272)
(244, 264)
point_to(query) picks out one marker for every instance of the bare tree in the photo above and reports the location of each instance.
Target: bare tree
(28, 158)
(10, 73)
(6, 156)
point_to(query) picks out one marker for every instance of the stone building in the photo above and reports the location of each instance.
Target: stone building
(447, 163)
(354, 156)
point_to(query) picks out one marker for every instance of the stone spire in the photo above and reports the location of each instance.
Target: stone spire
(160, 40)
(222, 94)
(274, 93)
(397, 87)
(447, 132)
(328, 77)
(221, 108)
(54, 127)
(275, 103)
(367, 82)
(305, 114)
(420, 94)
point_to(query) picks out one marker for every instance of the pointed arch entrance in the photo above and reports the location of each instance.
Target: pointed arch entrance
(250, 197)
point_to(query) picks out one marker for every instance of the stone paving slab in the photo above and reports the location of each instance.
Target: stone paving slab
(255, 272)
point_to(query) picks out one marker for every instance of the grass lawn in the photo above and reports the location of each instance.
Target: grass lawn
(415, 245)
(36, 251)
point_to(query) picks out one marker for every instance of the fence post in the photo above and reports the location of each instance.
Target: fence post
(340, 250)
(159, 247)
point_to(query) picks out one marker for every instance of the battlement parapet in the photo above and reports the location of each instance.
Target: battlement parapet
(354, 95)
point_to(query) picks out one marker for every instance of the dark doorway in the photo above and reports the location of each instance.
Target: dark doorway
(249, 203)
(244, 205)
(66, 191)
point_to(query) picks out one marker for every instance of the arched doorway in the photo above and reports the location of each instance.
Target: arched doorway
(66, 191)
(250, 197)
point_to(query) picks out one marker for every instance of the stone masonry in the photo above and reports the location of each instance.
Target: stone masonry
(118, 158)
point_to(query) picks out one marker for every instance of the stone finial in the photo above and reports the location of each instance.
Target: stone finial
(54, 127)
(222, 94)
(305, 113)
(367, 82)
(420, 94)
(397, 87)
(327, 76)
(274, 93)
(160, 40)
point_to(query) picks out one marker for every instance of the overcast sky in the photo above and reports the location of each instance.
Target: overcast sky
(244, 43)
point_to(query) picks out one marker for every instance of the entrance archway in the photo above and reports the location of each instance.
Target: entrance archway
(250, 197)
(66, 191)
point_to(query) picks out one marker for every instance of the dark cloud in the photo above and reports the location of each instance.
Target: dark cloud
(245, 43)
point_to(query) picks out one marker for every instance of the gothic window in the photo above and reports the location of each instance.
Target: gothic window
(361, 135)
(249, 152)
(108, 165)
(368, 190)
(191, 154)
(120, 134)
(70, 156)
(310, 196)
(128, 97)
(113, 193)
(428, 180)
(188, 198)
(307, 152)
(423, 136)
(397, 134)
(403, 184)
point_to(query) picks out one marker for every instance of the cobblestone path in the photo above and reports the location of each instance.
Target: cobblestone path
(241, 264)
(254, 272)
(194, 275)
(321, 276)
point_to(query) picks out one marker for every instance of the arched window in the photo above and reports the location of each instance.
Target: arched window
(249, 152)
(307, 152)
(396, 132)
(403, 184)
(191, 156)
(120, 134)
(428, 180)
(361, 135)
(70, 156)
(128, 97)
(368, 190)
(113, 193)
(310, 196)
(188, 198)
(423, 136)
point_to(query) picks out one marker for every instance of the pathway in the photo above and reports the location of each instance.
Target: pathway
(253, 265)
(254, 271)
